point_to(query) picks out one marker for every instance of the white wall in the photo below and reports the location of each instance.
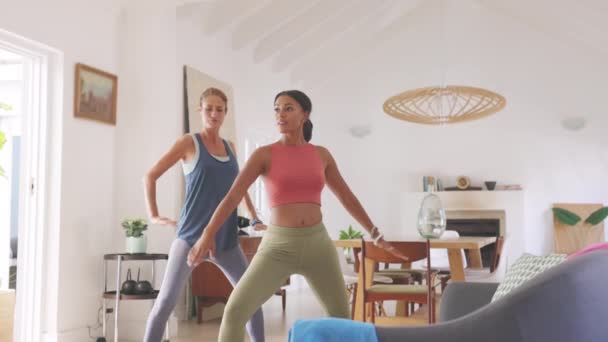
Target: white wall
(150, 126)
(87, 32)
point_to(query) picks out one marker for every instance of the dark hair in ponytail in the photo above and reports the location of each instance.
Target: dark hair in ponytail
(307, 128)
(304, 102)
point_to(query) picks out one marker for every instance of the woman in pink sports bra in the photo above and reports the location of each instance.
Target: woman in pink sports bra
(296, 241)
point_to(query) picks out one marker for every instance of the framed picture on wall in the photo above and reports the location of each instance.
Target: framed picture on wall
(95, 94)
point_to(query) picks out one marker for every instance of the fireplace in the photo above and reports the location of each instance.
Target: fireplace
(478, 223)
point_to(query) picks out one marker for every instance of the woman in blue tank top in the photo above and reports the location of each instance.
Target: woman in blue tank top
(210, 168)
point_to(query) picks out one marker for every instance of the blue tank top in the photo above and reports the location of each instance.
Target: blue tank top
(207, 182)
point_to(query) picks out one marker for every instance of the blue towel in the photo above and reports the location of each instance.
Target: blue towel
(332, 330)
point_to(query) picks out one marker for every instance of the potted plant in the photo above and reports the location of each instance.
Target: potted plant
(350, 234)
(134, 230)
(571, 232)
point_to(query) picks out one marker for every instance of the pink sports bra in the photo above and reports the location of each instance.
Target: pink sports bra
(296, 175)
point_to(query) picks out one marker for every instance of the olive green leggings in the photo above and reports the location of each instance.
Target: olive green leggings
(308, 251)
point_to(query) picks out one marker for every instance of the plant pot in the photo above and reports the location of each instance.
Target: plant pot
(136, 245)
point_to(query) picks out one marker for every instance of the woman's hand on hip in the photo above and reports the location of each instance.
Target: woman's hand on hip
(204, 245)
(163, 221)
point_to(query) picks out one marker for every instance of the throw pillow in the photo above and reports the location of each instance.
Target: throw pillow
(525, 268)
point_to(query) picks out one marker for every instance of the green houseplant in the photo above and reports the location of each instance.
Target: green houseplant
(571, 219)
(134, 231)
(350, 234)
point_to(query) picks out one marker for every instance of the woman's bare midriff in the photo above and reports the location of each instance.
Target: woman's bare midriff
(296, 215)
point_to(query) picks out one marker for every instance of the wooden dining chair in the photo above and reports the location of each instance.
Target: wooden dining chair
(351, 276)
(413, 293)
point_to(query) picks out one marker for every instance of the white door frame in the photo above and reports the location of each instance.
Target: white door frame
(37, 268)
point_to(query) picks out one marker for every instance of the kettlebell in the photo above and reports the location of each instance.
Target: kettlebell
(143, 286)
(128, 286)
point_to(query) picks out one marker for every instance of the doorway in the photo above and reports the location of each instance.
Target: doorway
(31, 87)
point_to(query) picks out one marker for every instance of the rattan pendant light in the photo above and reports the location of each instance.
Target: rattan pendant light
(444, 104)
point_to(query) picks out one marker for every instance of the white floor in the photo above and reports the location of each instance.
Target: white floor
(301, 303)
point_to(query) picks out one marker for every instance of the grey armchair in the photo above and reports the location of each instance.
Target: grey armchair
(565, 304)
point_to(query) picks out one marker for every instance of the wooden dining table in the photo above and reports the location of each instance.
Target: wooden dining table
(454, 246)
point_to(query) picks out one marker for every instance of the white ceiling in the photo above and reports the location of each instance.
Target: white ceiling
(309, 39)
(579, 22)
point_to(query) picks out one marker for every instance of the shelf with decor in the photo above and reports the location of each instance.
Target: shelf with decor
(467, 199)
(463, 183)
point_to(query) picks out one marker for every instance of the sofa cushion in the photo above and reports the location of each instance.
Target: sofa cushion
(398, 289)
(525, 268)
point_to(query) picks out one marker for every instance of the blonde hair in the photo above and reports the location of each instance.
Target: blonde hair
(213, 92)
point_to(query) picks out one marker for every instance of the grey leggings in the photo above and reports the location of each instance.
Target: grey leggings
(232, 262)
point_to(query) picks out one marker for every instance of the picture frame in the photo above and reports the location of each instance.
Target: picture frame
(95, 93)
